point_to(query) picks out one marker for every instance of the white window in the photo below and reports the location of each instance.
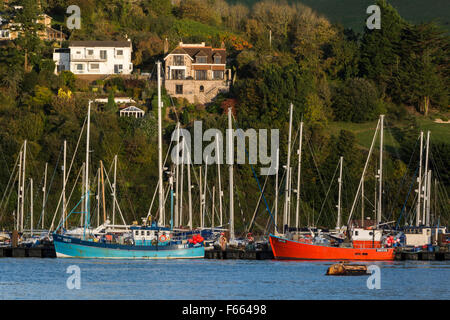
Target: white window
(90, 52)
(94, 66)
(103, 54)
(80, 67)
(119, 52)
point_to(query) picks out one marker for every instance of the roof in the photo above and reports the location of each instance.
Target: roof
(107, 43)
(132, 109)
(209, 52)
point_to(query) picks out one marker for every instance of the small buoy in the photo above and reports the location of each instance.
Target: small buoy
(343, 269)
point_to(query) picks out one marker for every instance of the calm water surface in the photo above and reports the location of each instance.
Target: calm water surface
(214, 279)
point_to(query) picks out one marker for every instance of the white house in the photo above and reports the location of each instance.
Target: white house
(97, 58)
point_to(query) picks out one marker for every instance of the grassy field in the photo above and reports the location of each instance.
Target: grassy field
(352, 13)
(440, 132)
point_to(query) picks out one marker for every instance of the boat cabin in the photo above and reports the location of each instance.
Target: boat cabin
(147, 236)
(366, 238)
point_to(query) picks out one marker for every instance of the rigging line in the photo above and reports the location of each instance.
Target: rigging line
(111, 189)
(7, 198)
(71, 192)
(437, 172)
(51, 181)
(317, 169)
(391, 214)
(9, 181)
(404, 204)
(257, 180)
(326, 195)
(68, 173)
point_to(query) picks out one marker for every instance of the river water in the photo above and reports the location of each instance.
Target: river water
(31, 278)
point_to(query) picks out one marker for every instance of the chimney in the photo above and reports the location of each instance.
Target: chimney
(166, 46)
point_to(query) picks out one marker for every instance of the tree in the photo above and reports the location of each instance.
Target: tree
(356, 100)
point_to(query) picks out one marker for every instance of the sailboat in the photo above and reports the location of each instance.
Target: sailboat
(365, 244)
(147, 241)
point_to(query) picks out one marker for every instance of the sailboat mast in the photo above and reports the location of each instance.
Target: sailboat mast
(19, 190)
(114, 191)
(380, 195)
(189, 187)
(86, 167)
(230, 155)
(419, 181)
(204, 195)
(23, 184)
(180, 209)
(427, 218)
(286, 199)
(64, 184)
(43, 196)
(160, 157)
(177, 179)
(338, 225)
(201, 195)
(31, 205)
(276, 191)
(299, 152)
(425, 188)
(220, 185)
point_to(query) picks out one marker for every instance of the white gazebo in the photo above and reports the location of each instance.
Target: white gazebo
(132, 111)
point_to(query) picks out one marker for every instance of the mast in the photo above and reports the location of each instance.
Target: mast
(286, 199)
(86, 168)
(83, 168)
(220, 185)
(64, 184)
(103, 192)
(425, 188)
(427, 218)
(31, 205)
(160, 157)
(43, 196)
(419, 181)
(231, 158)
(98, 197)
(114, 191)
(19, 190)
(180, 209)
(338, 225)
(276, 191)
(201, 196)
(177, 178)
(299, 152)
(362, 176)
(380, 195)
(23, 184)
(204, 195)
(189, 188)
(212, 209)
(362, 203)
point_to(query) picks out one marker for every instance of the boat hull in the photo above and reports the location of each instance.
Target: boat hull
(288, 249)
(70, 247)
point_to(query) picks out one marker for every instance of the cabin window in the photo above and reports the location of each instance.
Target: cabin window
(356, 233)
(136, 232)
(370, 233)
(148, 232)
(142, 233)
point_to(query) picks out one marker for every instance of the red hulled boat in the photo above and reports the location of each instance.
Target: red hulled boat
(289, 249)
